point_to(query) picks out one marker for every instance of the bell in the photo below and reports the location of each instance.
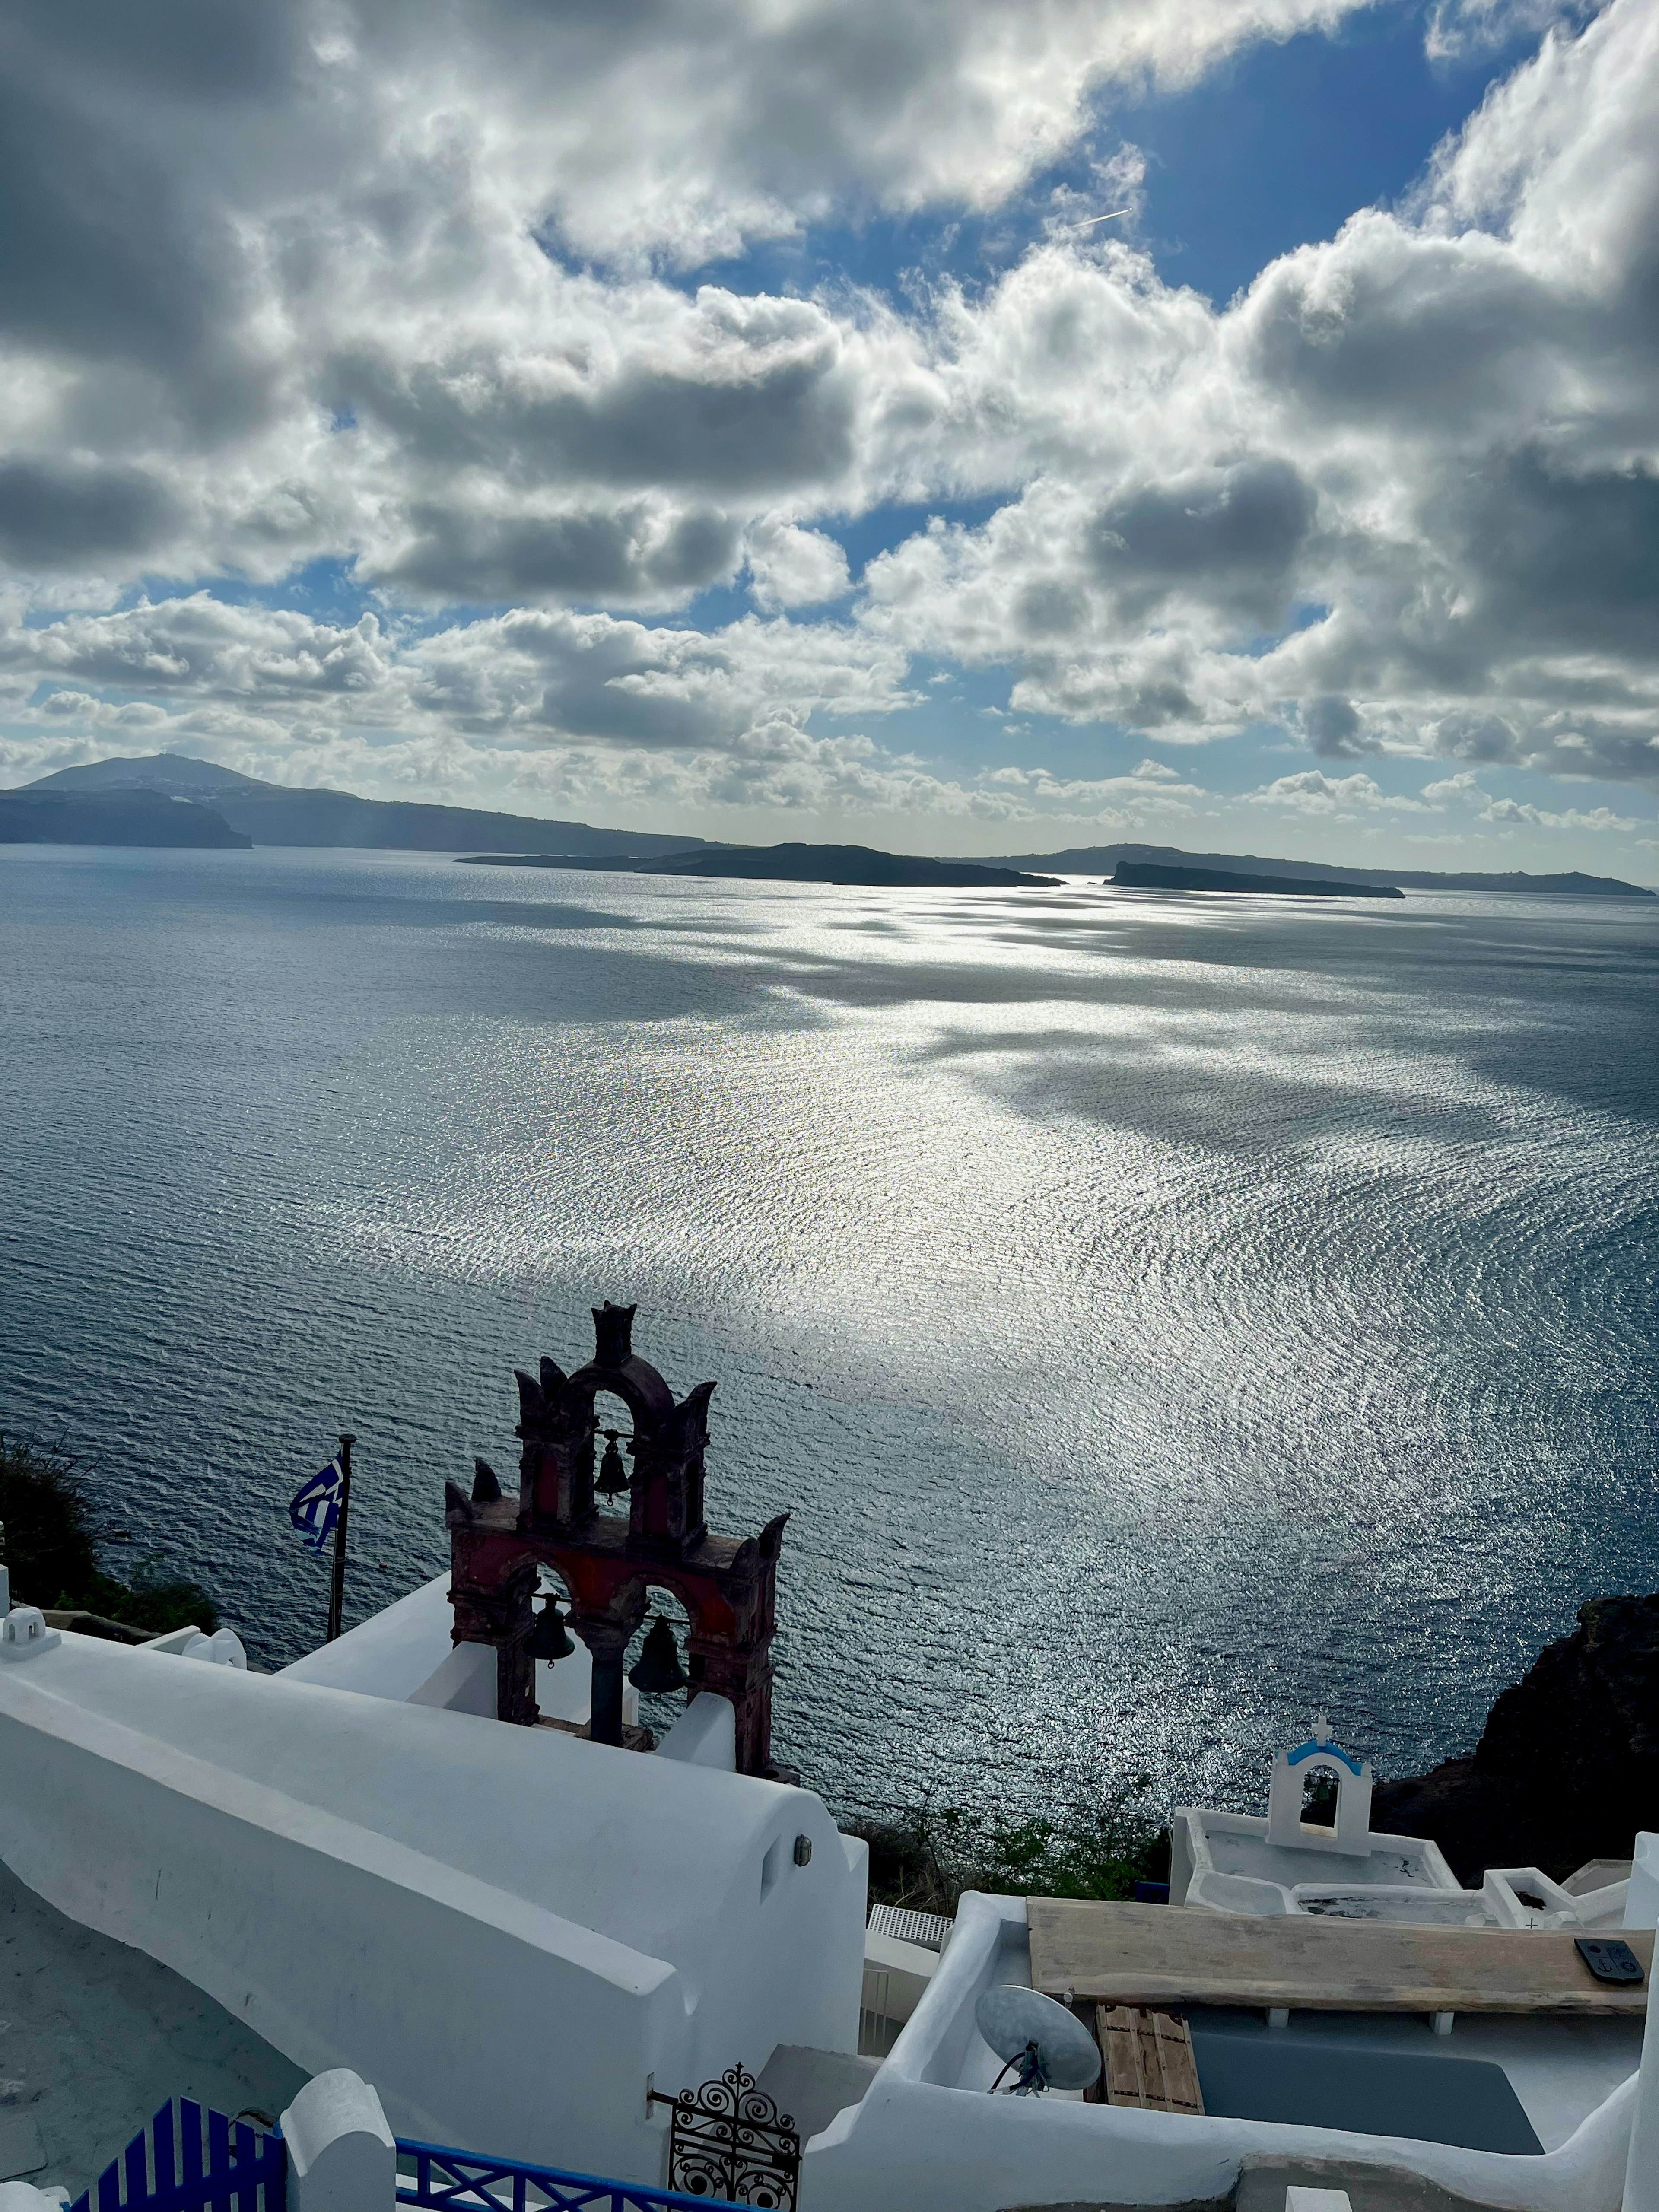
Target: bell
(611, 1480)
(548, 1639)
(657, 1667)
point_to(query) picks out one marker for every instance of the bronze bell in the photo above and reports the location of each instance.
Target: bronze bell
(611, 1480)
(658, 1667)
(548, 1639)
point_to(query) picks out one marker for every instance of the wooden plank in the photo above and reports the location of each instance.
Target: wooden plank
(1148, 2060)
(1166, 1957)
(1177, 2063)
(1120, 2051)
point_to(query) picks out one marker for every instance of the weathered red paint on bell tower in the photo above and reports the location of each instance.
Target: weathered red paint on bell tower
(728, 1587)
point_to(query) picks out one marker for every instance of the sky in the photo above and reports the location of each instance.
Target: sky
(728, 415)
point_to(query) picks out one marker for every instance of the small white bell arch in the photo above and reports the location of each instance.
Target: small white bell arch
(24, 1633)
(1321, 1754)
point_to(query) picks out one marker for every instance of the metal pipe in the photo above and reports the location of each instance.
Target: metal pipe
(336, 1581)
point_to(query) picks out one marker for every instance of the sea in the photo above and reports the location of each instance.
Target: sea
(1163, 1318)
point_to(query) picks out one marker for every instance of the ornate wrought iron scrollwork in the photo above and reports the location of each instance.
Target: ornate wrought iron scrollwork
(729, 2142)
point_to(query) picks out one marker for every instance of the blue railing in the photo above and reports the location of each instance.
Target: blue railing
(459, 2179)
(211, 2165)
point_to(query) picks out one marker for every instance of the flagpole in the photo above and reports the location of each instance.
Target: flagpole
(337, 1584)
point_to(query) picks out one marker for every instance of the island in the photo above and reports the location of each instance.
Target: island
(287, 814)
(115, 817)
(792, 863)
(1151, 876)
(1099, 859)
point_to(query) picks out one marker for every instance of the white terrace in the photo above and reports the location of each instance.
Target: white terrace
(515, 1934)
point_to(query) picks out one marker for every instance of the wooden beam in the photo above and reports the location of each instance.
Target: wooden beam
(1160, 1956)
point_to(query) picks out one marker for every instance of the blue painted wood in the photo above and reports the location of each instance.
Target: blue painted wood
(219, 2160)
(160, 2131)
(138, 2166)
(249, 2174)
(445, 2177)
(244, 2151)
(190, 2130)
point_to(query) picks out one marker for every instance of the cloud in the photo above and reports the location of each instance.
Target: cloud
(1346, 797)
(1334, 728)
(789, 566)
(368, 277)
(538, 709)
(1510, 813)
(407, 291)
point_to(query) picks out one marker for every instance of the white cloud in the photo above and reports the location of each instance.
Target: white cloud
(393, 287)
(1464, 790)
(1344, 798)
(794, 568)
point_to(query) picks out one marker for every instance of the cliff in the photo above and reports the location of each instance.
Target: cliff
(113, 817)
(1567, 1767)
(284, 814)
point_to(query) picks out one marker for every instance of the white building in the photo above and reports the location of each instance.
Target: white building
(511, 1932)
(514, 1934)
(1244, 1863)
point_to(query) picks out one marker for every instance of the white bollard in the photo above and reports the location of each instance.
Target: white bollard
(24, 2197)
(341, 2154)
(1642, 2173)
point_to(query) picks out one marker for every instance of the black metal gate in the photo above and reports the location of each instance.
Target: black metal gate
(729, 2142)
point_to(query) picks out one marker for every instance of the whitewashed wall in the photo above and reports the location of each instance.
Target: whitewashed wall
(505, 1931)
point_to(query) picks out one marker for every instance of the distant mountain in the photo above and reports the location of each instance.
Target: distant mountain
(273, 814)
(176, 774)
(1159, 876)
(1101, 860)
(113, 817)
(795, 864)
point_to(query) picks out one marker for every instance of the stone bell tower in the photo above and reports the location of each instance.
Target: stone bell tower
(609, 1564)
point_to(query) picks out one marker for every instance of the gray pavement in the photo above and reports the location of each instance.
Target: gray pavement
(94, 2037)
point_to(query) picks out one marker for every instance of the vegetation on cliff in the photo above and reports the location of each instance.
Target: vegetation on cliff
(925, 1857)
(50, 1549)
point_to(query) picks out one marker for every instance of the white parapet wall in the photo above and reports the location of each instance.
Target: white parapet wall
(1229, 1862)
(509, 1931)
(402, 1652)
(926, 2137)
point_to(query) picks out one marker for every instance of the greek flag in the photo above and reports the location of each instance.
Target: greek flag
(316, 1506)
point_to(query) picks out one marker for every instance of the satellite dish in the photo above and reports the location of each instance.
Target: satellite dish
(1048, 2046)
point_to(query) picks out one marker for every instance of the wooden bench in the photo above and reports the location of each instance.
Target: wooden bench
(1166, 1957)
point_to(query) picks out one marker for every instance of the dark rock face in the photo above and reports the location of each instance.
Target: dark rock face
(1567, 1768)
(113, 817)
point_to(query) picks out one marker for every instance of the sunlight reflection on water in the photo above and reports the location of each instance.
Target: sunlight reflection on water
(1161, 1319)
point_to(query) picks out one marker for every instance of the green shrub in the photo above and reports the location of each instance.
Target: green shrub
(49, 1545)
(53, 1553)
(1100, 1846)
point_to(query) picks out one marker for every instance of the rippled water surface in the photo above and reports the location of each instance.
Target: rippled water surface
(1161, 1318)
